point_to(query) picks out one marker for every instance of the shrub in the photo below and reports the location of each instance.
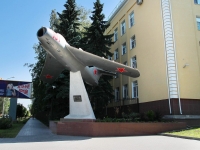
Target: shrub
(25, 120)
(150, 115)
(158, 116)
(5, 123)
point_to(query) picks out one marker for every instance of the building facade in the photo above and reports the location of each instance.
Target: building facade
(161, 38)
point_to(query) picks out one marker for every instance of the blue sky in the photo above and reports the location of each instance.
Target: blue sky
(20, 21)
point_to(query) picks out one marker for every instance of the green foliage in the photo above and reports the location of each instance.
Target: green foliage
(106, 119)
(193, 132)
(54, 20)
(14, 130)
(94, 41)
(132, 116)
(83, 19)
(54, 103)
(5, 123)
(69, 23)
(21, 111)
(4, 105)
(151, 116)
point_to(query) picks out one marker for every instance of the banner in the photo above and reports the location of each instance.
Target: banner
(15, 89)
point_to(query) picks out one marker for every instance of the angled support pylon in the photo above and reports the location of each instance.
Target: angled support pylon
(79, 103)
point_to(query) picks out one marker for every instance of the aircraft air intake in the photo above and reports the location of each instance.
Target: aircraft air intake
(41, 31)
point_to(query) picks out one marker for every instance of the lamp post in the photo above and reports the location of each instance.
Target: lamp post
(10, 78)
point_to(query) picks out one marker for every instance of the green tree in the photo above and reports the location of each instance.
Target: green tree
(55, 102)
(54, 20)
(4, 105)
(68, 26)
(21, 111)
(84, 19)
(39, 87)
(69, 23)
(96, 42)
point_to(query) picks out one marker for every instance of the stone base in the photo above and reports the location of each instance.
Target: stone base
(191, 120)
(77, 120)
(102, 129)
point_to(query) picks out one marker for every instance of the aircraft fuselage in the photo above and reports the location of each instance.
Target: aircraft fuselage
(55, 45)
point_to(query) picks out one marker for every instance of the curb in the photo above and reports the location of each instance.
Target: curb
(177, 136)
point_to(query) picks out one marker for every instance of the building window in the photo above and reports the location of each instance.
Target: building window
(115, 35)
(117, 94)
(131, 19)
(124, 49)
(123, 28)
(125, 63)
(197, 1)
(134, 62)
(132, 42)
(134, 89)
(125, 91)
(116, 54)
(198, 23)
(109, 57)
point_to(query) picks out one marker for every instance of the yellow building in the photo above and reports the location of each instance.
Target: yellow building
(162, 39)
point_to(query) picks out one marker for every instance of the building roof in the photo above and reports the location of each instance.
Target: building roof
(116, 10)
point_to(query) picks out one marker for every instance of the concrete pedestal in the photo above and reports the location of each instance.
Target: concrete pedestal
(79, 103)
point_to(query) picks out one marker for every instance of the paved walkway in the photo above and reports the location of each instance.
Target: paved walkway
(35, 136)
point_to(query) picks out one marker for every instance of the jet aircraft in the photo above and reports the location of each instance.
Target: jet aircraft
(60, 56)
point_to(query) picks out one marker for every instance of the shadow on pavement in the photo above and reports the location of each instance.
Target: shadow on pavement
(35, 131)
(42, 138)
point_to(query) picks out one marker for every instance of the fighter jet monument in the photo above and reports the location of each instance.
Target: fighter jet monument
(60, 56)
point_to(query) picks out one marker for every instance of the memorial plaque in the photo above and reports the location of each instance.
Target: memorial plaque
(77, 98)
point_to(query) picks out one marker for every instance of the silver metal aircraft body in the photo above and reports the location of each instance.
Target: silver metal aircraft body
(60, 56)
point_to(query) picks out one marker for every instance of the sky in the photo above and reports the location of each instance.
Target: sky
(20, 20)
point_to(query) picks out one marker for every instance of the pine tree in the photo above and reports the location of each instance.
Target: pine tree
(68, 26)
(54, 21)
(96, 42)
(69, 23)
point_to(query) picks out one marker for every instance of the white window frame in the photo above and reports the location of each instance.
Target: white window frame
(134, 89)
(124, 48)
(125, 91)
(116, 54)
(198, 22)
(134, 62)
(116, 94)
(197, 1)
(132, 42)
(115, 35)
(131, 19)
(123, 27)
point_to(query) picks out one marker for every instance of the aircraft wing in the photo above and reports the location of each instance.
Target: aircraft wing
(89, 59)
(51, 70)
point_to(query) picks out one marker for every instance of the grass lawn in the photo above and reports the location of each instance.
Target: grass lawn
(193, 132)
(14, 130)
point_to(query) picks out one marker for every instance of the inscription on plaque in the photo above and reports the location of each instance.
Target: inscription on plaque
(77, 98)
